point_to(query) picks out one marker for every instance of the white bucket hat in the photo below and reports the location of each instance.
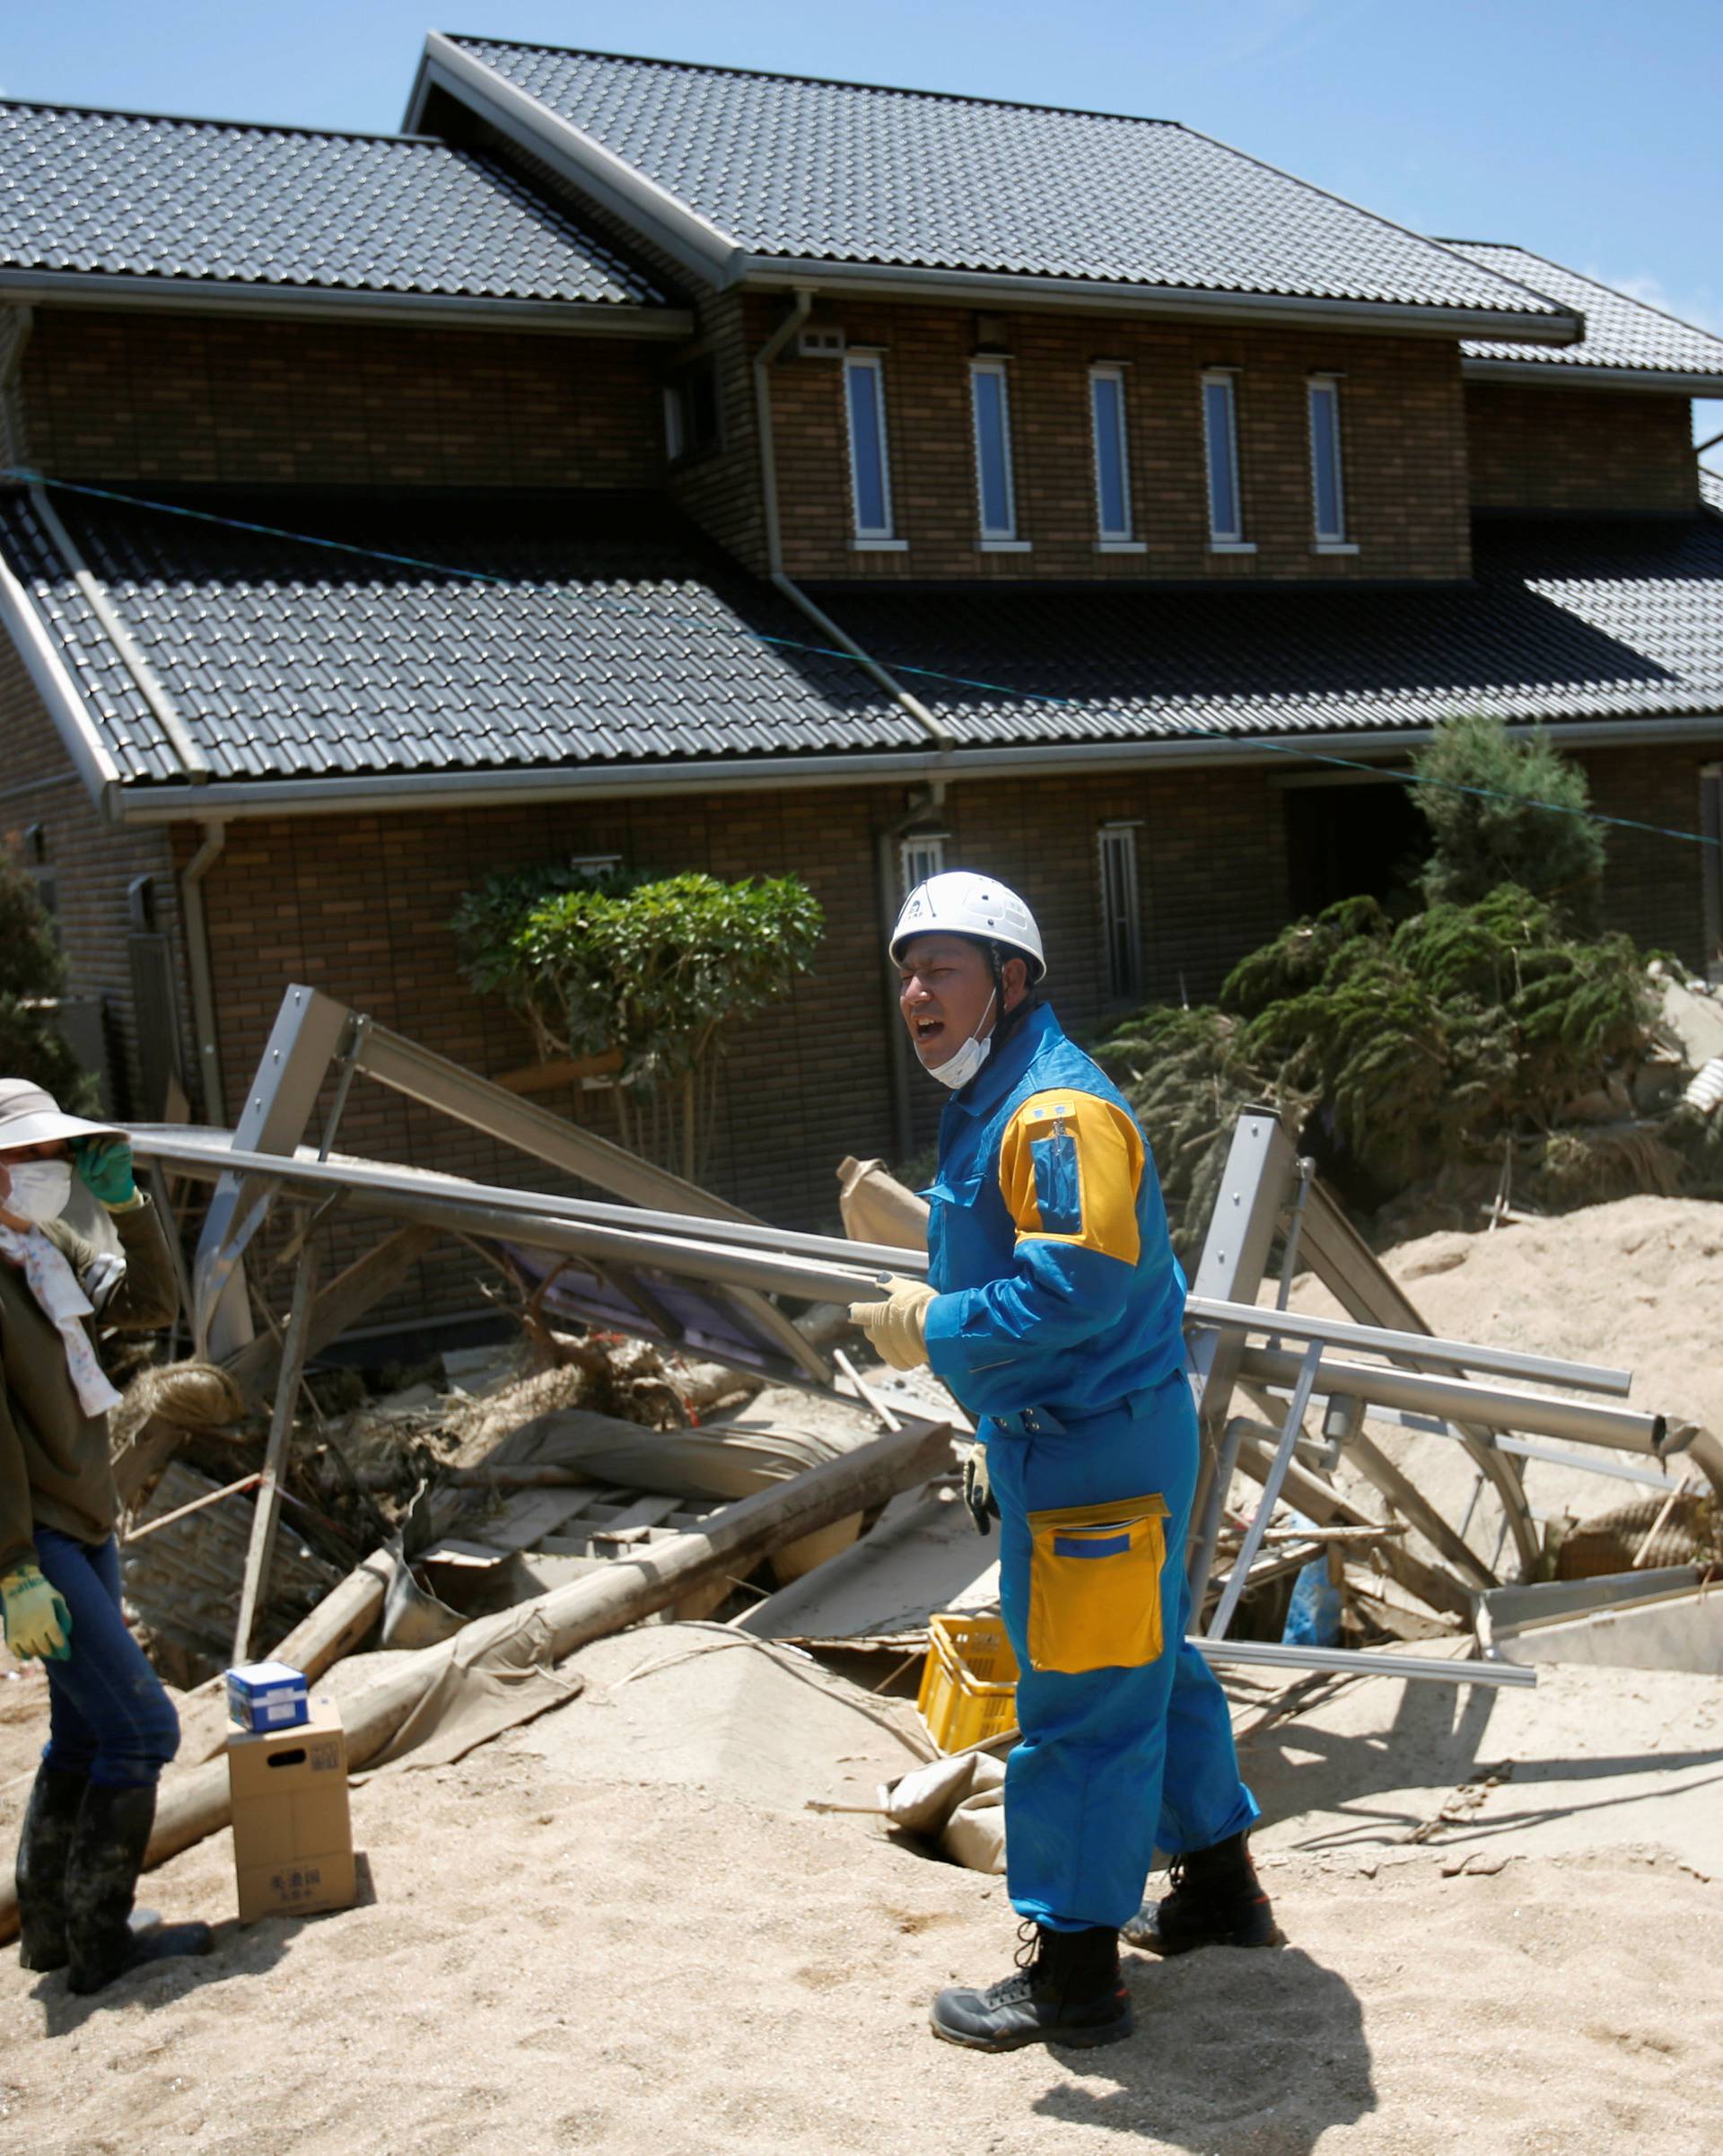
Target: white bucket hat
(30, 1117)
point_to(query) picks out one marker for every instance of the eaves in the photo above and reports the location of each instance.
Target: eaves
(403, 792)
(450, 311)
(1579, 374)
(722, 261)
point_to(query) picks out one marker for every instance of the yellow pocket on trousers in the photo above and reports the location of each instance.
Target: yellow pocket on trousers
(1095, 1585)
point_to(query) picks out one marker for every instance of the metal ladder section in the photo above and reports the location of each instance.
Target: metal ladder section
(1266, 1188)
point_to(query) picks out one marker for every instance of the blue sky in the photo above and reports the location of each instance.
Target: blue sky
(1586, 130)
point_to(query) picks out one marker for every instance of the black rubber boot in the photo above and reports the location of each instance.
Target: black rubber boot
(1217, 1900)
(111, 1833)
(43, 1850)
(1067, 1990)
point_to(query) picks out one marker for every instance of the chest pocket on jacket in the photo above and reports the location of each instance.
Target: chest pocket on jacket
(1058, 1180)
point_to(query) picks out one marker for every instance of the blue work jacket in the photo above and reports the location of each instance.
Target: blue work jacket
(1057, 1287)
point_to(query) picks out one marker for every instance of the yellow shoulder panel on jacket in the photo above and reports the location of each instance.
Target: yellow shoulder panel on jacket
(1070, 1168)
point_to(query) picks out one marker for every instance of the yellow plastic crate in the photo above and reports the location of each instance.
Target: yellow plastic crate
(968, 1682)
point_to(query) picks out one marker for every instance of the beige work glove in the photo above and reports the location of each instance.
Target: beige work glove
(895, 1328)
(37, 1619)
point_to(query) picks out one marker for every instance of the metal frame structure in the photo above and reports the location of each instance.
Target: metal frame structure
(678, 1265)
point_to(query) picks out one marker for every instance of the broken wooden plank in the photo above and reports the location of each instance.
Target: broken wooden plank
(194, 1803)
(257, 1369)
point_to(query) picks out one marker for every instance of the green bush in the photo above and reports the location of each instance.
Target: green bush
(32, 973)
(1507, 810)
(1425, 1041)
(659, 968)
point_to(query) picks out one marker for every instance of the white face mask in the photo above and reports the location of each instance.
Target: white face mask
(957, 1070)
(40, 1189)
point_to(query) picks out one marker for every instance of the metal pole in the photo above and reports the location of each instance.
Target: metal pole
(1360, 1661)
(1457, 1399)
(268, 1511)
(1270, 1497)
(1423, 1348)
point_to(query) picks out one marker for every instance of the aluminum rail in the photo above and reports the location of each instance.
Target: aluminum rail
(1336, 1332)
(542, 1223)
(211, 1158)
(1492, 1406)
(1360, 1661)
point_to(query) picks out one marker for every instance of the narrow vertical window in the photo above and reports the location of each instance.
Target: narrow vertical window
(991, 404)
(1120, 923)
(1112, 455)
(920, 856)
(864, 395)
(1221, 441)
(1328, 487)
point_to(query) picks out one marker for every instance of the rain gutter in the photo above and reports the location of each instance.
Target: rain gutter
(988, 288)
(1579, 374)
(403, 791)
(452, 310)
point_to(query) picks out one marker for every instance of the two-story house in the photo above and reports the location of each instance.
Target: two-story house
(705, 469)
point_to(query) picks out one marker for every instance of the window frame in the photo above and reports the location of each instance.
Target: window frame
(1111, 371)
(920, 854)
(1222, 541)
(1121, 921)
(862, 360)
(682, 397)
(1003, 537)
(1318, 386)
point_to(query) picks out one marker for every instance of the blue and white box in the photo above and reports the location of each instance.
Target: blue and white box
(268, 1696)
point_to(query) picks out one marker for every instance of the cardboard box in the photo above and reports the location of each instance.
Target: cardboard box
(267, 1696)
(293, 1833)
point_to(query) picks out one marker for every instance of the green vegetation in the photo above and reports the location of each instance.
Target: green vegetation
(32, 973)
(660, 970)
(1506, 810)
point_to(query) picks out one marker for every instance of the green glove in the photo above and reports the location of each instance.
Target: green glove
(37, 1619)
(978, 1490)
(106, 1166)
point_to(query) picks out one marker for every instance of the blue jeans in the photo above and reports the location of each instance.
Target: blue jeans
(1112, 1760)
(108, 1716)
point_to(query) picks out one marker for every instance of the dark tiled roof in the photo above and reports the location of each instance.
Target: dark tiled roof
(840, 171)
(642, 646)
(1710, 488)
(134, 195)
(1581, 620)
(285, 659)
(1620, 331)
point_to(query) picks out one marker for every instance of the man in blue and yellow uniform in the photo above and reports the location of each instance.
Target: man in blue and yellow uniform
(1053, 1311)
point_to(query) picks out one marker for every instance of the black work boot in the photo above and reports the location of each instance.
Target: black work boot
(42, 1849)
(108, 1839)
(1067, 1990)
(1217, 1900)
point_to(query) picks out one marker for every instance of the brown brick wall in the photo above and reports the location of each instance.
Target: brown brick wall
(360, 907)
(192, 399)
(91, 865)
(1404, 448)
(1598, 449)
(1654, 885)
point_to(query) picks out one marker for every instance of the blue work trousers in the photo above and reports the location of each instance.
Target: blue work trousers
(1112, 1761)
(108, 1716)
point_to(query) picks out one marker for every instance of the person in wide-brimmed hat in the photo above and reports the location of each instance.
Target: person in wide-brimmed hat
(112, 1727)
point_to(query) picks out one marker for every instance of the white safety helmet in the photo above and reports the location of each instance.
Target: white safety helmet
(960, 903)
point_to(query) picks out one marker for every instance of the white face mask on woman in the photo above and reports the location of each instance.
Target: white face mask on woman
(40, 1190)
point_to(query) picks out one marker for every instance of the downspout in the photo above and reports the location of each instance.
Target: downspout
(902, 1121)
(763, 359)
(15, 445)
(203, 986)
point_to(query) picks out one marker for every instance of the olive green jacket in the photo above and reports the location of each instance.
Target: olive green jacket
(55, 1468)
